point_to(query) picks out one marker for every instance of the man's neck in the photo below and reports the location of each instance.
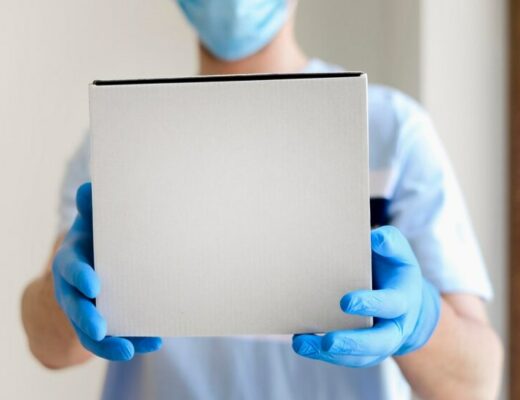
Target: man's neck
(282, 55)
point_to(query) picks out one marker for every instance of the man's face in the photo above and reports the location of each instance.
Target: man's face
(235, 29)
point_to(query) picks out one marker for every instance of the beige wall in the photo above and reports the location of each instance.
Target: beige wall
(51, 50)
(379, 37)
(464, 86)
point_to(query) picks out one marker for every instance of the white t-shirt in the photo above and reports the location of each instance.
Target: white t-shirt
(412, 187)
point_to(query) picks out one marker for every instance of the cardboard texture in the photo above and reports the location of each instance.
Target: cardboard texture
(230, 205)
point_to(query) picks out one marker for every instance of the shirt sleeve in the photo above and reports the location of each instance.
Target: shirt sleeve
(76, 173)
(428, 207)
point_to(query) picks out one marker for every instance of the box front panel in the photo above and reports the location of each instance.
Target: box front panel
(227, 208)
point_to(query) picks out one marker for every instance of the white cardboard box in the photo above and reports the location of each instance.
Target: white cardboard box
(230, 205)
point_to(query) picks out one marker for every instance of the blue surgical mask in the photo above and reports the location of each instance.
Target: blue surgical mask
(235, 29)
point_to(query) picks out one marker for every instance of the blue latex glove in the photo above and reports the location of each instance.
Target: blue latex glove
(405, 305)
(77, 284)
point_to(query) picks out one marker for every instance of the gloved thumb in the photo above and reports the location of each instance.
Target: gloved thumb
(84, 201)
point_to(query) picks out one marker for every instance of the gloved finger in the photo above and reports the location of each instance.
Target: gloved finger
(391, 248)
(81, 311)
(383, 339)
(77, 273)
(111, 348)
(145, 344)
(390, 244)
(393, 262)
(78, 242)
(310, 346)
(84, 201)
(384, 303)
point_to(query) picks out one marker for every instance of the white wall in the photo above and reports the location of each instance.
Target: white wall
(379, 37)
(464, 86)
(51, 50)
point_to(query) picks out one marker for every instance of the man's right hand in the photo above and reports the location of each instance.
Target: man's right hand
(77, 285)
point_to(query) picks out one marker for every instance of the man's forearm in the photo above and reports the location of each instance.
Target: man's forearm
(462, 360)
(50, 335)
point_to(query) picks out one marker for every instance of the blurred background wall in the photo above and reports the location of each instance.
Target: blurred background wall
(450, 54)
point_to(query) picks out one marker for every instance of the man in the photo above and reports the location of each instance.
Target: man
(431, 330)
